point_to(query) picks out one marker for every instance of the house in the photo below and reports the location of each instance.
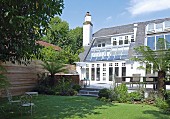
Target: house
(108, 51)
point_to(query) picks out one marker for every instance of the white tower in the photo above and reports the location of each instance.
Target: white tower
(87, 30)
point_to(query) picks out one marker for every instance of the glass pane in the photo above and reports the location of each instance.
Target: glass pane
(92, 74)
(167, 37)
(126, 42)
(151, 42)
(117, 71)
(157, 37)
(150, 27)
(87, 73)
(120, 42)
(110, 73)
(167, 24)
(123, 71)
(98, 74)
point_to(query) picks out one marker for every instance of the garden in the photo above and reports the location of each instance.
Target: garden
(76, 107)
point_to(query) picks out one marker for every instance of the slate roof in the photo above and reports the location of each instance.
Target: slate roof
(114, 30)
(106, 33)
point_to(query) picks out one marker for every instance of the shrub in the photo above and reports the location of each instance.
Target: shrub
(121, 93)
(162, 104)
(135, 96)
(76, 87)
(104, 93)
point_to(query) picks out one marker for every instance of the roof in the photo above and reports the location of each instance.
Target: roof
(114, 30)
(45, 44)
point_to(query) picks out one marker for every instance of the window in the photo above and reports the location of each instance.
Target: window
(132, 38)
(123, 64)
(98, 65)
(126, 37)
(110, 64)
(110, 73)
(167, 24)
(159, 27)
(87, 73)
(104, 69)
(103, 44)
(151, 42)
(167, 37)
(87, 65)
(151, 27)
(120, 42)
(123, 71)
(116, 64)
(92, 74)
(117, 71)
(98, 74)
(126, 41)
(99, 45)
(104, 76)
(92, 65)
(104, 64)
(114, 42)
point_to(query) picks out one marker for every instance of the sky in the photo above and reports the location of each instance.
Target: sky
(110, 13)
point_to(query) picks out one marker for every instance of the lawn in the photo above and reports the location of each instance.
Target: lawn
(77, 107)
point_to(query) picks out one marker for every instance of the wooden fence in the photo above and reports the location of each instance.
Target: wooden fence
(24, 78)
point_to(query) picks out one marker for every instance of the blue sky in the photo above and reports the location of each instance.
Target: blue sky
(109, 13)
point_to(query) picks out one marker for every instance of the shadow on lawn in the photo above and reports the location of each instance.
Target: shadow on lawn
(60, 107)
(156, 114)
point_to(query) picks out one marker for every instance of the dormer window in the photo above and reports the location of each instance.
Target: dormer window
(167, 24)
(99, 45)
(132, 38)
(159, 27)
(120, 42)
(114, 42)
(151, 27)
(103, 44)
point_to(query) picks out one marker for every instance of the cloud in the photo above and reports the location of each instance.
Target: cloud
(147, 6)
(109, 18)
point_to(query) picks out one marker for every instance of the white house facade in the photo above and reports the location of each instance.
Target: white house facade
(108, 51)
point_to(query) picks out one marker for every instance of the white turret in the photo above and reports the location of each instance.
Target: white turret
(87, 30)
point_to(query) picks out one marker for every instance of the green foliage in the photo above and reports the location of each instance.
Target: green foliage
(43, 85)
(159, 58)
(76, 39)
(56, 32)
(135, 96)
(104, 99)
(162, 104)
(64, 88)
(68, 56)
(70, 41)
(22, 23)
(76, 87)
(104, 93)
(3, 79)
(121, 93)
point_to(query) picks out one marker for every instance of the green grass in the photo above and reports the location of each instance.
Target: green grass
(77, 107)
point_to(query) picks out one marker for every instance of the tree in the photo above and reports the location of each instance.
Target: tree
(3, 79)
(159, 58)
(52, 63)
(75, 37)
(69, 56)
(57, 32)
(22, 23)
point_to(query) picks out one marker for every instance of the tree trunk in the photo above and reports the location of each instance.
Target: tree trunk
(51, 80)
(161, 85)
